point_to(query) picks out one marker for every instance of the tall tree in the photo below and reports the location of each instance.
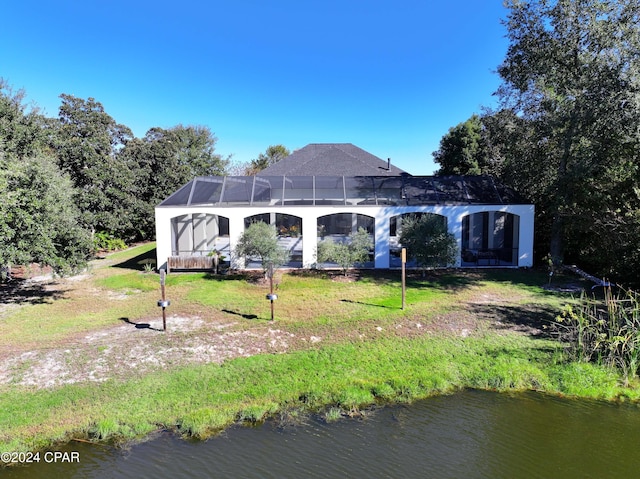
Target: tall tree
(195, 151)
(572, 73)
(87, 141)
(164, 160)
(463, 149)
(271, 156)
(177, 155)
(38, 217)
(21, 128)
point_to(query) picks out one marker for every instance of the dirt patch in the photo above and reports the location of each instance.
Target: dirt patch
(134, 348)
(130, 348)
(507, 312)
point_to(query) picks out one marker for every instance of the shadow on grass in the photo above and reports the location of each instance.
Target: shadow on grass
(516, 352)
(451, 279)
(448, 280)
(27, 292)
(250, 276)
(245, 316)
(139, 325)
(367, 304)
(137, 263)
(531, 319)
(222, 277)
(562, 283)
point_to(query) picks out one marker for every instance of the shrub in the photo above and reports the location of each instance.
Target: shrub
(260, 240)
(103, 241)
(605, 331)
(354, 250)
(428, 241)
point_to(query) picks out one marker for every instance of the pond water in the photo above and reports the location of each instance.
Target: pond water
(471, 434)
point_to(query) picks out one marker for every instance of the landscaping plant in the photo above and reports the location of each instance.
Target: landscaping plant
(346, 254)
(428, 241)
(605, 331)
(260, 241)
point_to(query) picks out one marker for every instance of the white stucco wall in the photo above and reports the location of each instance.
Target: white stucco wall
(310, 214)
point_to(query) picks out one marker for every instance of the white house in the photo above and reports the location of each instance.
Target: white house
(327, 191)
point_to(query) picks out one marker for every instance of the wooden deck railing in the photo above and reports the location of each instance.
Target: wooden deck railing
(189, 262)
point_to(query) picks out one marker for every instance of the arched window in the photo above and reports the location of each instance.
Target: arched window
(343, 224)
(198, 234)
(289, 229)
(490, 238)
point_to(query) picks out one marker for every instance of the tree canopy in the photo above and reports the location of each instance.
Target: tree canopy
(271, 156)
(87, 140)
(63, 179)
(572, 78)
(21, 128)
(565, 134)
(39, 219)
(462, 150)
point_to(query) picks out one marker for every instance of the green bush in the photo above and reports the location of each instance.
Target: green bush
(103, 241)
(260, 240)
(355, 250)
(428, 240)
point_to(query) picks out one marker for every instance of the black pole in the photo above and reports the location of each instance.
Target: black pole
(271, 287)
(404, 282)
(164, 314)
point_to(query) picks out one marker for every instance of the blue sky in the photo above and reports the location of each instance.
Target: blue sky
(389, 77)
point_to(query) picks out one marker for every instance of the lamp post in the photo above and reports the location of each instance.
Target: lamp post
(163, 303)
(403, 258)
(271, 296)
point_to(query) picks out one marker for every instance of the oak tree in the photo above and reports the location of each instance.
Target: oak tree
(271, 156)
(571, 77)
(463, 149)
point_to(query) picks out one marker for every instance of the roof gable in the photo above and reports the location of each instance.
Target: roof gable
(322, 159)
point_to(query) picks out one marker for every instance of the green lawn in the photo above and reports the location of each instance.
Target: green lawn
(461, 329)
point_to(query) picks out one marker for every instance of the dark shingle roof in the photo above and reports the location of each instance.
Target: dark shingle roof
(329, 159)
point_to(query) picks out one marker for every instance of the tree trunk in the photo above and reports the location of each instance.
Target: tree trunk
(563, 190)
(556, 244)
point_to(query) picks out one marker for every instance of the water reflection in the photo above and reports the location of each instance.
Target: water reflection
(471, 434)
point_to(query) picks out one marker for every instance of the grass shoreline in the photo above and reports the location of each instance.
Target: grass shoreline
(199, 401)
(374, 363)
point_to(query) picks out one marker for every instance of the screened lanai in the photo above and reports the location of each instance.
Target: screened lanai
(406, 190)
(492, 224)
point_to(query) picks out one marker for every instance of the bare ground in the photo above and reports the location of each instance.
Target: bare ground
(131, 348)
